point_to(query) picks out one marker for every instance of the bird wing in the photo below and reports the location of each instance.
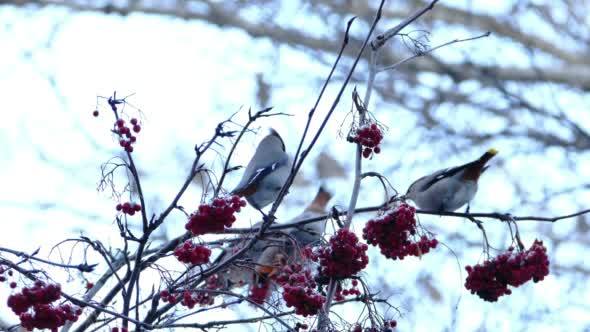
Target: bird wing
(425, 182)
(258, 175)
(443, 174)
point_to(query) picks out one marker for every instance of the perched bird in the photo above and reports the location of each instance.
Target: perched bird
(277, 254)
(266, 172)
(450, 188)
(270, 252)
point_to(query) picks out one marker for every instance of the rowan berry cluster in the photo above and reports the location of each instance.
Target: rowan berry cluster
(166, 296)
(344, 257)
(259, 292)
(301, 326)
(35, 307)
(202, 298)
(126, 137)
(2, 276)
(215, 217)
(387, 327)
(370, 137)
(191, 253)
(306, 301)
(116, 329)
(491, 279)
(395, 234)
(342, 293)
(128, 208)
(298, 290)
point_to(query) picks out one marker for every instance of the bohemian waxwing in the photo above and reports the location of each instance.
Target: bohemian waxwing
(450, 188)
(296, 238)
(266, 172)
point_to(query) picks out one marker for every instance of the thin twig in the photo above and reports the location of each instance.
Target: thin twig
(423, 53)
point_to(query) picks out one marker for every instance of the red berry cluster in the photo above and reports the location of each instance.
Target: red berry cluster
(126, 136)
(116, 329)
(341, 293)
(205, 298)
(298, 290)
(166, 296)
(35, 309)
(128, 208)
(490, 280)
(190, 299)
(2, 276)
(300, 326)
(370, 137)
(191, 253)
(344, 257)
(387, 327)
(306, 301)
(259, 292)
(215, 217)
(395, 234)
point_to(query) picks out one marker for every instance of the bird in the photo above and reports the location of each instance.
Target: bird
(266, 173)
(267, 254)
(448, 189)
(278, 254)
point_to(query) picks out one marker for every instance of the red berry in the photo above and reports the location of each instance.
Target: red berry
(95, 113)
(133, 121)
(215, 217)
(120, 123)
(345, 256)
(395, 234)
(13, 284)
(190, 253)
(490, 280)
(137, 128)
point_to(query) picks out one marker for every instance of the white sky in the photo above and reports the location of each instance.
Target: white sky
(188, 76)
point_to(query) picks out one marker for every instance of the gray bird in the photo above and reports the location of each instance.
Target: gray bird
(266, 172)
(268, 253)
(277, 254)
(450, 188)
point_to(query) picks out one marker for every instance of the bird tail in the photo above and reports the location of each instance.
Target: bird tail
(320, 201)
(488, 155)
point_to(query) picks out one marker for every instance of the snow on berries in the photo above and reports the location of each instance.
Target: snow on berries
(128, 208)
(215, 217)
(396, 234)
(344, 257)
(36, 309)
(370, 137)
(491, 279)
(191, 253)
(126, 133)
